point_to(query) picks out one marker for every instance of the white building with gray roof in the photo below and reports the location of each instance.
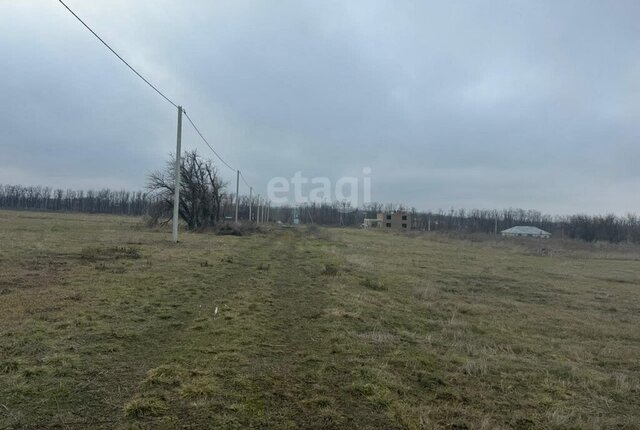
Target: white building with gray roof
(525, 231)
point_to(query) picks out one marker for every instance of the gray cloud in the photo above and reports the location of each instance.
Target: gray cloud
(455, 104)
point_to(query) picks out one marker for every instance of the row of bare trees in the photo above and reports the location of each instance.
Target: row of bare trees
(204, 202)
(592, 228)
(203, 199)
(606, 228)
(50, 199)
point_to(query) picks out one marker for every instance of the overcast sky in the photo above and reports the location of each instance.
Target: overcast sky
(532, 104)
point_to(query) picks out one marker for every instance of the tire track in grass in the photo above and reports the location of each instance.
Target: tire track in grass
(266, 359)
(304, 379)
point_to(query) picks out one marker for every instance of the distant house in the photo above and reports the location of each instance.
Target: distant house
(399, 220)
(373, 222)
(525, 231)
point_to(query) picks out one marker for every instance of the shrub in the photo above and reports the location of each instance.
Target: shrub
(330, 269)
(232, 229)
(373, 284)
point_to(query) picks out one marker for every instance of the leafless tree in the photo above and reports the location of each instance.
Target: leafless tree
(201, 192)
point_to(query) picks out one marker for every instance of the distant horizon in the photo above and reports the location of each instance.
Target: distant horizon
(521, 104)
(438, 211)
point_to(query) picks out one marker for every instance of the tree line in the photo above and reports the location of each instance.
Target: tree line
(591, 228)
(116, 202)
(205, 207)
(205, 202)
(91, 201)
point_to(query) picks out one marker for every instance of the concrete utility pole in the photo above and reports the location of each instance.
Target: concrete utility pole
(250, 203)
(258, 217)
(495, 228)
(237, 193)
(269, 210)
(429, 223)
(176, 183)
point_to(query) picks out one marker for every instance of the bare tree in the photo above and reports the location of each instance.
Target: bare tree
(201, 192)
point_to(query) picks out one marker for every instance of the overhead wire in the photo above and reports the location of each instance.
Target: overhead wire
(156, 90)
(118, 55)
(206, 141)
(244, 180)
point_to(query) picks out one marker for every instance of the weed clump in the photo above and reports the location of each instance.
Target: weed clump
(112, 253)
(31, 371)
(9, 366)
(316, 232)
(163, 375)
(423, 293)
(330, 269)
(232, 229)
(475, 367)
(145, 407)
(312, 229)
(373, 284)
(199, 389)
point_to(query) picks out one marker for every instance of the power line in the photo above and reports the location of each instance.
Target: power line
(118, 55)
(244, 180)
(213, 150)
(154, 88)
(207, 142)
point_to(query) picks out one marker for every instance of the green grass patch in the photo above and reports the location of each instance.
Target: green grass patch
(106, 324)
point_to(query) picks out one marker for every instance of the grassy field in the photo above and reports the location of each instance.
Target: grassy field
(107, 324)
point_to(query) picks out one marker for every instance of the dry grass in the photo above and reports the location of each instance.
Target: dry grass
(106, 324)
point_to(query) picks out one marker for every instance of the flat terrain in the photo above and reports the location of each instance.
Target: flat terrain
(107, 324)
